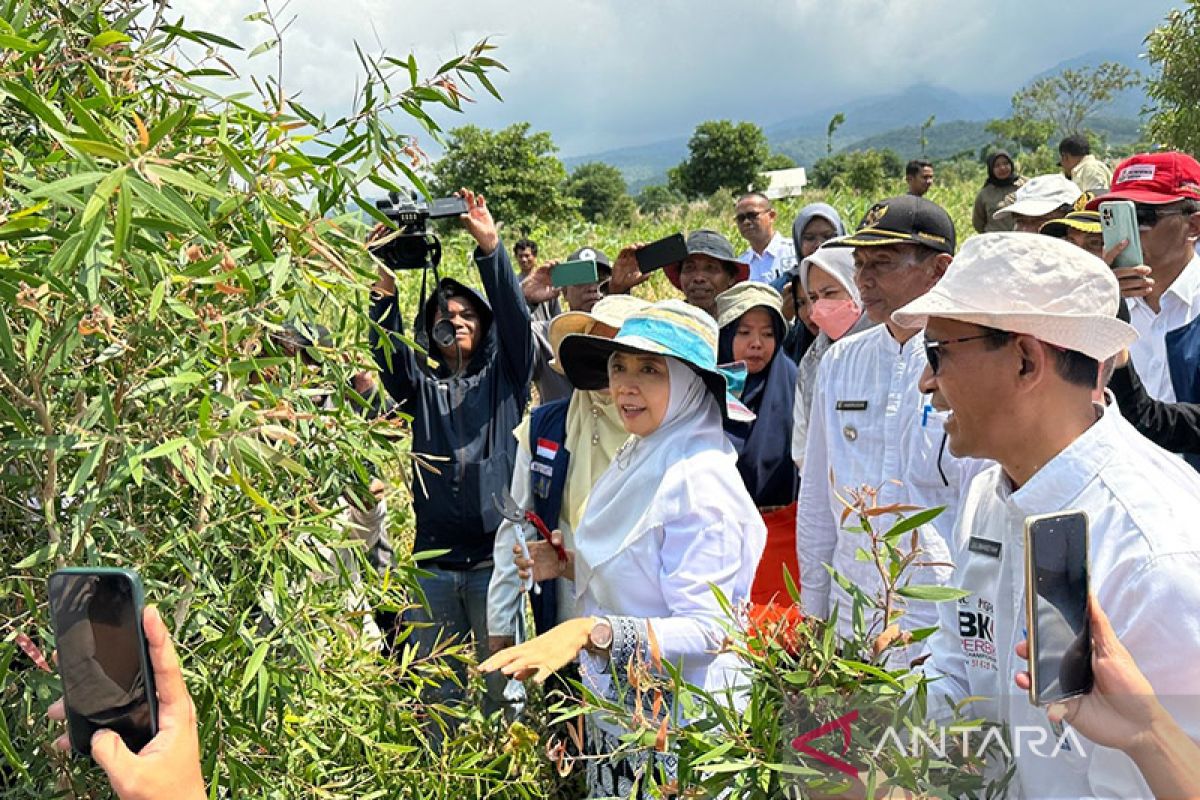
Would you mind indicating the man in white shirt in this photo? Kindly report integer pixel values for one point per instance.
(1016, 332)
(770, 254)
(1166, 190)
(870, 425)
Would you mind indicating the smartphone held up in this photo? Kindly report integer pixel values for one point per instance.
(1056, 606)
(103, 657)
(1118, 223)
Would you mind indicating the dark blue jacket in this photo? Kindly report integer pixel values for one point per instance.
(465, 422)
(1183, 361)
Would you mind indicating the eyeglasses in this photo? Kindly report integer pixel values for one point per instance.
(748, 215)
(1149, 216)
(933, 350)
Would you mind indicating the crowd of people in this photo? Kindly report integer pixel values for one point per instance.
(711, 440)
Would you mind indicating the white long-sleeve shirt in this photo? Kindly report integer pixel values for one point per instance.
(1179, 305)
(1144, 507)
(870, 425)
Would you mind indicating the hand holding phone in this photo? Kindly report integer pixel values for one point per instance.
(169, 765)
(658, 254)
(1056, 606)
(102, 655)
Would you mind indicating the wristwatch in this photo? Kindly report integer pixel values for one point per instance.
(600, 638)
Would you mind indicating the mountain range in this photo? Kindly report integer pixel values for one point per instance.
(887, 121)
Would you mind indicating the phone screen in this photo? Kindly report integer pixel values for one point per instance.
(1061, 639)
(101, 653)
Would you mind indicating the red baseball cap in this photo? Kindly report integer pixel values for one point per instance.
(1154, 178)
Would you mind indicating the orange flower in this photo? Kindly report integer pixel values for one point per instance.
(783, 624)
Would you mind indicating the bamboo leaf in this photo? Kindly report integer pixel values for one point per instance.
(184, 181)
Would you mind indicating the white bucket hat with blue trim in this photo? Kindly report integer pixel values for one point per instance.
(671, 328)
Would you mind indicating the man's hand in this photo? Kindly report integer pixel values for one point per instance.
(169, 766)
(1134, 281)
(537, 286)
(625, 271)
(478, 221)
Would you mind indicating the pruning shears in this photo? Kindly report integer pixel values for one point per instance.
(525, 519)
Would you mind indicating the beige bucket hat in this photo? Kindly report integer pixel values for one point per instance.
(1032, 284)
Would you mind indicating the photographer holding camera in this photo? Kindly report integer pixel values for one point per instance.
(463, 414)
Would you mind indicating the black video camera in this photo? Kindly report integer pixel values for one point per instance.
(415, 246)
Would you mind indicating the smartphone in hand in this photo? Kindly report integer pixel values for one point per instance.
(103, 658)
(1118, 222)
(1056, 606)
(662, 252)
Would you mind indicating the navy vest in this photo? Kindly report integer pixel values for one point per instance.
(1183, 361)
(547, 479)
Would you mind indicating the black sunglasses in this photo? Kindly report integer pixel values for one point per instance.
(745, 215)
(1149, 216)
(933, 350)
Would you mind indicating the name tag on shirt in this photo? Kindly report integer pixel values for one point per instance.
(542, 469)
(985, 547)
(851, 405)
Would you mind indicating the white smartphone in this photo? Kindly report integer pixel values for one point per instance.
(1118, 222)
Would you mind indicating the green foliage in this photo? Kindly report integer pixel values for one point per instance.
(657, 198)
(1173, 48)
(601, 192)
(517, 171)
(721, 155)
(863, 171)
(778, 161)
(154, 234)
(1059, 105)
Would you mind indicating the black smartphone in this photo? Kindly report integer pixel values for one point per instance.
(102, 655)
(657, 255)
(1056, 606)
(443, 207)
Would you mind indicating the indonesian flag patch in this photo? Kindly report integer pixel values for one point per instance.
(547, 449)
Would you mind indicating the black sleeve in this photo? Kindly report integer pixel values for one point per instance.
(1172, 426)
(514, 339)
(398, 368)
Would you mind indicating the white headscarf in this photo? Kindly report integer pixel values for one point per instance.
(640, 491)
(837, 263)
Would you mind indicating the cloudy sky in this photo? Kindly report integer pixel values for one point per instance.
(600, 75)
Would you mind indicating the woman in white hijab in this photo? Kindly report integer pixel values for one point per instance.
(667, 521)
(827, 279)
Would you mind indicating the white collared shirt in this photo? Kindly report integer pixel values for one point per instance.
(777, 257)
(1179, 305)
(1143, 505)
(870, 425)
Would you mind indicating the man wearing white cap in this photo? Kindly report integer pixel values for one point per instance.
(1040, 200)
(1015, 334)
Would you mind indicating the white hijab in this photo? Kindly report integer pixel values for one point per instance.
(640, 491)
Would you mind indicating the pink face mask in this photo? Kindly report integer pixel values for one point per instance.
(835, 317)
